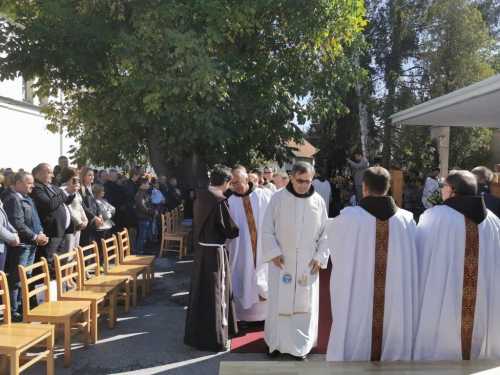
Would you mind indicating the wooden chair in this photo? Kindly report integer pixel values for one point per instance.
(18, 338)
(110, 252)
(121, 283)
(96, 296)
(66, 313)
(169, 237)
(126, 258)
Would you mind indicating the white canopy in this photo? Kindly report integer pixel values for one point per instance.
(474, 105)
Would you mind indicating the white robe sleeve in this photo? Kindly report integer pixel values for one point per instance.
(270, 246)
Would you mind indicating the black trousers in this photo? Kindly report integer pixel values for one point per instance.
(55, 245)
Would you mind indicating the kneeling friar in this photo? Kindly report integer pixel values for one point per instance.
(373, 285)
(248, 271)
(294, 244)
(458, 247)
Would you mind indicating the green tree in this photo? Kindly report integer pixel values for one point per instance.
(185, 82)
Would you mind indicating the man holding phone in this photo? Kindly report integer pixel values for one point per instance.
(23, 216)
(54, 214)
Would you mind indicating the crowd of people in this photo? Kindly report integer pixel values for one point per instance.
(53, 210)
(399, 291)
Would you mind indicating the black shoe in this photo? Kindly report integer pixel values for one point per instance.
(302, 358)
(242, 324)
(273, 354)
(16, 318)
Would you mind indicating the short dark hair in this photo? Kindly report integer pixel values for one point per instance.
(302, 167)
(320, 171)
(377, 180)
(101, 173)
(483, 173)
(20, 176)
(220, 174)
(463, 183)
(172, 178)
(420, 179)
(436, 169)
(358, 152)
(67, 173)
(257, 172)
(63, 157)
(132, 172)
(269, 167)
(142, 180)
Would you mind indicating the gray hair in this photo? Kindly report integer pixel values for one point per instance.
(483, 173)
(241, 172)
(269, 167)
(101, 173)
(20, 176)
(302, 167)
(283, 175)
(463, 183)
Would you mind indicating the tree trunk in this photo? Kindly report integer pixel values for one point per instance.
(157, 153)
(366, 140)
(194, 167)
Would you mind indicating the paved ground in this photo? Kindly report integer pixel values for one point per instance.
(149, 340)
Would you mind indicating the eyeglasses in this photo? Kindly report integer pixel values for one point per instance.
(301, 181)
(268, 172)
(235, 183)
(444, 185)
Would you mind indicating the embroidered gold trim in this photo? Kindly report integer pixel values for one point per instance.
(381, 250)
(469, 291)
(300, 312)
(285, 314)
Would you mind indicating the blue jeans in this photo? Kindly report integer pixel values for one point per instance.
(141, 235)
(25, 256)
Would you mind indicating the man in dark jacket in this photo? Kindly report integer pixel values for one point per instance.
(23, 216)
(174, 195)
(484, 177)
(115, 195)
(52, 210)
(130, 219)
(144, 213)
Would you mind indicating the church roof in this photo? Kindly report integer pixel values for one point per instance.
(305, 150)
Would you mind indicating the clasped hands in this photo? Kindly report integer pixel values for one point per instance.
(279, 260)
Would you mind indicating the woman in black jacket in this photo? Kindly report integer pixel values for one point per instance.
(90, 207)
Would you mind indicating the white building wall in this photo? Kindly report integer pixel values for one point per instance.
(25, 141)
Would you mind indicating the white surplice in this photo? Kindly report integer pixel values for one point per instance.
(295, 228)
(441, 255)
(325, 190)
(248, 281)
(351, 237)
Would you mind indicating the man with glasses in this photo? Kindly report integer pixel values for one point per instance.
(294, 245)
(458, 247)
(248, 271)
(268, 179)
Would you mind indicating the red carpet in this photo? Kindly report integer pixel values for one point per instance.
(251, 339)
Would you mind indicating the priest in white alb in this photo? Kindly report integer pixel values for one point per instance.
(458, 247)
(373, 285)
(248, 271)
(294, 245)
(322, 187)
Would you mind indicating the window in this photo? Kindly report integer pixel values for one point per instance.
(24, 90)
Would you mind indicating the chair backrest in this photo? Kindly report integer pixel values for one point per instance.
(110, 252)
(169, 223)
(123, 244)
(5, 300)
(26, 282)
(181, 213)
(93, 254)
(61, 264)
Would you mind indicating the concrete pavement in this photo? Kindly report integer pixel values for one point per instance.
(149, 340)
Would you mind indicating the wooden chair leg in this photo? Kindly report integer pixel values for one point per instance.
(153, 269)
(67, 343)
(144, 284)
(57, 331)
(111, 315)
(14, 363)
(5, 364)
(86, 333)
(181, 249)
(127, 299)
(146, 274)
(50, 356)
(94, 323)
(134, 292)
